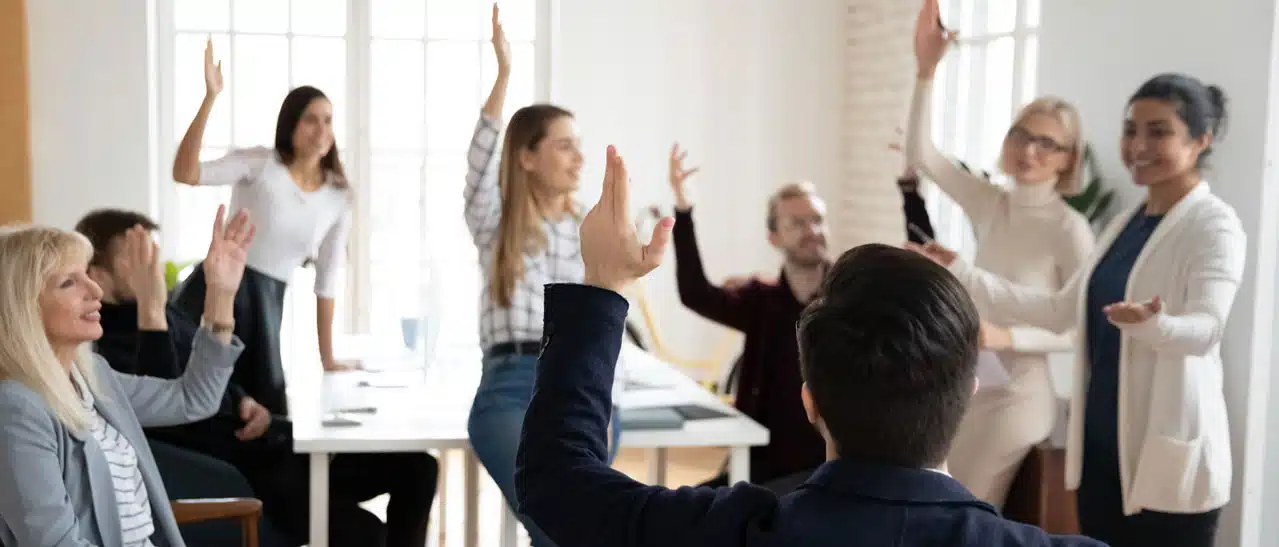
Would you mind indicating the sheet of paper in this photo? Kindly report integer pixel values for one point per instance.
(991, 372)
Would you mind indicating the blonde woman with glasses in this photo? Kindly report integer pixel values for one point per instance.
(75, 468)
(1025, 232)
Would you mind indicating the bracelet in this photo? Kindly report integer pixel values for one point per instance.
(217, 328)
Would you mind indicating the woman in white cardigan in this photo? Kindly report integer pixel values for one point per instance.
(1149, 445)
(1025, 232)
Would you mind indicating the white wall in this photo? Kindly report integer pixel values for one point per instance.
(1229, 43)
(91, 108)
(751, 87)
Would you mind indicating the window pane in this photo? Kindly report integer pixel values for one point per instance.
(188, 87)
(967, 16)
(1031, 17)
(457, 19)
(261, 70)
(519, 19)
(397, 94)
(1001, 15)
(261, 16)
(455, 287)
(396, 239)
(998, 98)
(522, 90)
(399, 18)
(1030, 70)
(319, 17)
(205, 15)
(452, 76)
(321, 62)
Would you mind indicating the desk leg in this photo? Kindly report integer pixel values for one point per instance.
(510, 530)
(657, 466)
(441, 496)
(739, 465)
(471, 513)
(319, 499)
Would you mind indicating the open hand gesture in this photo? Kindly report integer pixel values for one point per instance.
(931, 39)
(678, 174)
(1132, 313)
(212, 72)
(501, 47)
(224, 264)
(934, 251)
(138, 265)
(611, 251)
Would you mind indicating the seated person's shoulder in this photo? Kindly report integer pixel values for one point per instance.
(19, 403)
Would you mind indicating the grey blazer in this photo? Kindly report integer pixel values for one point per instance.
(55, 487)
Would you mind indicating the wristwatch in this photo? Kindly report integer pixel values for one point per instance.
(217, 328)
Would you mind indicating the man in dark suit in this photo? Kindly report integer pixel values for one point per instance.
(888, 352)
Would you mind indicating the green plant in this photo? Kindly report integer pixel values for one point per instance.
(171, 271)
(1094, 199)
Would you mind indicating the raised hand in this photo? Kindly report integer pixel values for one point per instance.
(212, 72)
(936, 252)
(228, 250)
(931, 39)
(138, 265)
(1132, 313)
(501, 47)
(611, 251)
(678, 174)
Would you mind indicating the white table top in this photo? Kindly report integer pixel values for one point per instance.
(429, 408)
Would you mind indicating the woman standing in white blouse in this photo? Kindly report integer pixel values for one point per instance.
(299, 195)
(524, 220)
(1026, 232)
(1148, 448)
(75, 467)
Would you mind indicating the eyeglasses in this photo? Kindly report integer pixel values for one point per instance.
(1020, 137)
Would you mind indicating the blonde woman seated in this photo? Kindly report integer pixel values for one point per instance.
(75, 469)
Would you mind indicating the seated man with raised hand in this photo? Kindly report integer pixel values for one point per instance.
(888, 352)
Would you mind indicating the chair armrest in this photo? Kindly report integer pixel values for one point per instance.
(200, 510)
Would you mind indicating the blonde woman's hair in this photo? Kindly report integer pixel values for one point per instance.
(28, 256)
(1068, 184)
(520, 231)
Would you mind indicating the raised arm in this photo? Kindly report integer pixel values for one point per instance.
(1072, 255)
(186, 163)
(974, 194)
(729, 307)
(34, 502)
(482, 196)
(1215, 271)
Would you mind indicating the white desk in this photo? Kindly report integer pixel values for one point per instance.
(430, 413)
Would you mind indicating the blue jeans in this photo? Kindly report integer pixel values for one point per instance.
(497, 415)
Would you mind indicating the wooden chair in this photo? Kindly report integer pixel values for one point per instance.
(247, 510)
(1038, 493)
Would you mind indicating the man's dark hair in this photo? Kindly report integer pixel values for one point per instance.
(888, 349)
(103, 226)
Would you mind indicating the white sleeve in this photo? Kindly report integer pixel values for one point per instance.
(330, 258)
(238, 165)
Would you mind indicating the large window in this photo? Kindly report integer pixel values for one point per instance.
(407, 78)
(981, 84)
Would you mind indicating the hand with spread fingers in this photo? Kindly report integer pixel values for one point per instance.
(931, 39)
(611, 251)
(1132, 313)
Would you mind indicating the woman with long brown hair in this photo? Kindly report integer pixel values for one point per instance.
(524, 220)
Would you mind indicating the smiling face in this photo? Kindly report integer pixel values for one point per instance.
(313, 135)
(1157, 146)
(69, 304)
(555, 162)
(1038, 148)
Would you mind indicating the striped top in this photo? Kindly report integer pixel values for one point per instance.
(132, 502)
(559, 262)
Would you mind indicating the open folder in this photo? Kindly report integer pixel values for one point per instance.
(991, 372)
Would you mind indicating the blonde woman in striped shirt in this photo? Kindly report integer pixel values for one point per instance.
(524, 220)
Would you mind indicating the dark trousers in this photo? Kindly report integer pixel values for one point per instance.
(781, 485)
(410, 478)
(1101, 517)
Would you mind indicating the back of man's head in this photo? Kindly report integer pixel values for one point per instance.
(888, 350)
(103, 226)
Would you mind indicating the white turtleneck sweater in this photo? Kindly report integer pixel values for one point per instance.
(1025, 232)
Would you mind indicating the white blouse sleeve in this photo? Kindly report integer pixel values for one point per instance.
(329, 259)
(237, 166)
(1215, 271)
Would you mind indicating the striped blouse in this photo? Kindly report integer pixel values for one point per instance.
(131, 494)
